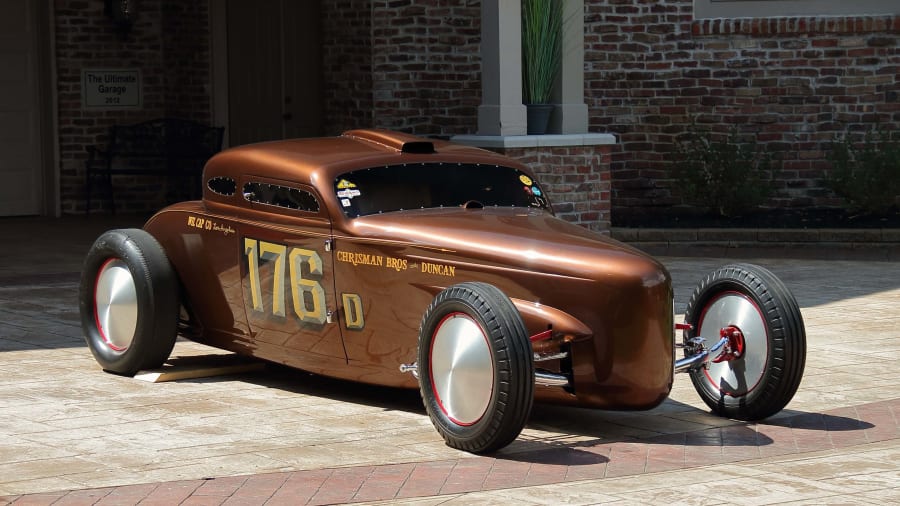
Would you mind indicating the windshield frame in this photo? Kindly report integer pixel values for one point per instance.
(436, 185)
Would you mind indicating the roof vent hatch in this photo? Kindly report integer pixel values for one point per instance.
(418, 147)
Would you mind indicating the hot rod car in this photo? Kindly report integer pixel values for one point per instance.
(395, 260)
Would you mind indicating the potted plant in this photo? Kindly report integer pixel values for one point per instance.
(541, 53)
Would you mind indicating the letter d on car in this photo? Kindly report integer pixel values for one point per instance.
(353, 311)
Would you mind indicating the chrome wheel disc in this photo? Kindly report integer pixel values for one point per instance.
(462, 370)
(740, 375)
(115, 304)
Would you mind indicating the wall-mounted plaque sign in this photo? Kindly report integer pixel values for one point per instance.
(111, 89)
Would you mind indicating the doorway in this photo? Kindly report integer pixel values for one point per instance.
(274, 70)
(25, 148)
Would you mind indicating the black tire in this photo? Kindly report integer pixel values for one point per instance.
(480, 402)
(129, 326)
(763, 379)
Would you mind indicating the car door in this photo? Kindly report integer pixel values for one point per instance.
(287, 275)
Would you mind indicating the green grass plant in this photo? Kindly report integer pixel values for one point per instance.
(867, 173)
(541, 48)
(723, 173)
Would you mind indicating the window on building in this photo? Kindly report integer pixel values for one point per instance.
(705, 9)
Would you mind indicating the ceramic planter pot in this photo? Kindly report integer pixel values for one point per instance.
(538, 116)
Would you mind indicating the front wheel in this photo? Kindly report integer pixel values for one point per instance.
(476, 370)
(129, 302)
(758, 373)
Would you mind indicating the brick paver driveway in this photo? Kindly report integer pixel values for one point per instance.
(71, 434)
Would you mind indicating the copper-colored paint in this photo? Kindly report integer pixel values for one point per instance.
(609, 304)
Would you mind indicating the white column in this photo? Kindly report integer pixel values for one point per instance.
(571, 113)
(501, 111)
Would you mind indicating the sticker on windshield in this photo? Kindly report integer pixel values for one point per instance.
(344, 184)
(525, 180)
(348, 194)
(536, 191)
(345, 202)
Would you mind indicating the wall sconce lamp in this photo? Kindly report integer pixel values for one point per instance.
(122, 13)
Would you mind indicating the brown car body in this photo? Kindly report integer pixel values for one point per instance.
(344, 296)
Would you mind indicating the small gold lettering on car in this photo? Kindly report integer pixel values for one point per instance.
(439, 269)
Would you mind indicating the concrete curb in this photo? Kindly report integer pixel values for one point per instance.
(825, 244)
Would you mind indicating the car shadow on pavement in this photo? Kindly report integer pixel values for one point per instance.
(816, 422)
(563, 427)
(674, 418)
(740, 441)
(552, 453)
(301, 382)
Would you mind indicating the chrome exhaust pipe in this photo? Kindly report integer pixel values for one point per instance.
(545, 379)
(548, 379)
(538, 357)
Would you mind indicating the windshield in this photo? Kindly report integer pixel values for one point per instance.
(434, 185)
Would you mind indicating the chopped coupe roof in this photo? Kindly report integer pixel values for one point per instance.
(317, 161)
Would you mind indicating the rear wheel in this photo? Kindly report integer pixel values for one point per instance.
(759, 371)
(129, 302)
(476, 372)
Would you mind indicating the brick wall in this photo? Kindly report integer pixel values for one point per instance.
(421, 67)
(426, 72)
(168, 43)
(576, 179)
(790, 83)
(405, 65)
(426, 65)
(347, 64)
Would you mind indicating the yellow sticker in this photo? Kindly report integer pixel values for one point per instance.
(525, 180)
(343, 184)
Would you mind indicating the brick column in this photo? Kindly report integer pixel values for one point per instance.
(575, 178)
